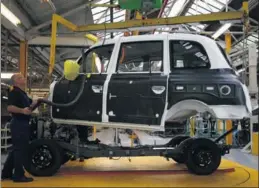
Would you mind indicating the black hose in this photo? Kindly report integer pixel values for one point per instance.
(40, 101)
(226, 133)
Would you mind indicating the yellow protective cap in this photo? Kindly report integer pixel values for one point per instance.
(71, 70)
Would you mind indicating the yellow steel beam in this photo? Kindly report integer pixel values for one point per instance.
(23, 58)
(161, 22)
(64, 22)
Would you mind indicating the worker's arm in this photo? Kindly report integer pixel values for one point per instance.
(34, 102)
(15, 109)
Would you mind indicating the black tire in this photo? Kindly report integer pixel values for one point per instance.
(204, 157)
(179, 159)
(65, 157)
(176, 142)
(44, 158)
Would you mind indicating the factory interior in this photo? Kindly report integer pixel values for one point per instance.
(188, 119)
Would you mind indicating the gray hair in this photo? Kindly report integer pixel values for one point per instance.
(13, 79)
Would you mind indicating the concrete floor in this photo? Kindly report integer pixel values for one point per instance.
(142, 172)
(236, 169)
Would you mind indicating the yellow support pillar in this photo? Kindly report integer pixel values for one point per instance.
(55, 20)
(229, 137)
(132, 137)
(192, 126)
(138, 16)
(53, 45)
(127, 17)
(94, 132)
(255, 143)
(245, 6)
(228, 42)
(220, 125)
(23, 58)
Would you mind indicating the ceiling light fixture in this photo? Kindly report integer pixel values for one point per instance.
(6, 75)
(9, 15)
(221, 30)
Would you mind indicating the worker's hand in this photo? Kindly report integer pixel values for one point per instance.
(26, 111)
(34, 102)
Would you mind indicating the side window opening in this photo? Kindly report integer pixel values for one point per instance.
(97, 59)
(140, 57)
(188, 55)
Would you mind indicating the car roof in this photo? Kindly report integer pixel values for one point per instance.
(153, 37)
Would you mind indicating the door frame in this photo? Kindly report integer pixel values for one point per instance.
(112, 70)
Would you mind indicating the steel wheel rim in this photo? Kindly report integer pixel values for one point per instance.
(203, 158)
(42, 157)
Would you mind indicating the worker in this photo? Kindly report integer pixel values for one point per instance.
(19, 106)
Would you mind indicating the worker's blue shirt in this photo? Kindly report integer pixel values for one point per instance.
(20, 99)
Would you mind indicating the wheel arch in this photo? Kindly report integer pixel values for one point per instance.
(187, 108)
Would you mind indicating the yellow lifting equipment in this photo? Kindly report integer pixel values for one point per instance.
(136, 25)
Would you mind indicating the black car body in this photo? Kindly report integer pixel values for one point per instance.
(141, 82)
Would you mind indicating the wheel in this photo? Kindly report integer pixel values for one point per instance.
(65, 157)
(203, 157)
(176, 141)
(44, 158)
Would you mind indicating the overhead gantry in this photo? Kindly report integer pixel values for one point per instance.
(144, 24)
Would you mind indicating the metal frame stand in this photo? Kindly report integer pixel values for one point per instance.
(253, 89)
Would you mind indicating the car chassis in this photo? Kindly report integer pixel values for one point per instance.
(202, 156)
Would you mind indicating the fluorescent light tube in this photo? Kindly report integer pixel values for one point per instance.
(221, 30)
(9, 15)
(6, 75)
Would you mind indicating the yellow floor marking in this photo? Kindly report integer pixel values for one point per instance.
(65, 179)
